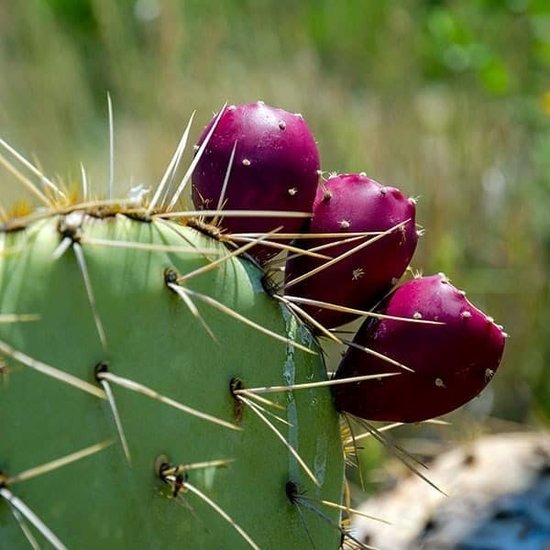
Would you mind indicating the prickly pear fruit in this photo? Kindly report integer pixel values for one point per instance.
(352, 203)
(275, 168)
(117, 302)
(452, 361)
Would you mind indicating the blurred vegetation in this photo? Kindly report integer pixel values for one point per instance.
(448, 100)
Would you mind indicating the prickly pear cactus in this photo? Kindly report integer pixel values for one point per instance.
(162, 382)
(128, 310)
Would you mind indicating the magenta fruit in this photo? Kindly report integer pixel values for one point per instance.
(352, 203)
(452, 361)
(275, 167)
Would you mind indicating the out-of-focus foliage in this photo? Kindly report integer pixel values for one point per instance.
(448, 100)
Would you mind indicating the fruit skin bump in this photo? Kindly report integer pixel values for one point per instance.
(275, 167)
(351, 203)
(452, 361)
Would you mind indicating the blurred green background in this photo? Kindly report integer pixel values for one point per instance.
(448, 100)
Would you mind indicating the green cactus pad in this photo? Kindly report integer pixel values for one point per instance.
(104, 290)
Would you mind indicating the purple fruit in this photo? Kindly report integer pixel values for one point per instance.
(352, 203)
(452, 362)
(276, 167)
